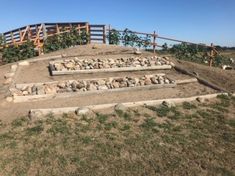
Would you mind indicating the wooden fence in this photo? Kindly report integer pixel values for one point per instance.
(38, 33)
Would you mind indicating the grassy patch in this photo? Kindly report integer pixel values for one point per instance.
(188, 106)
(195, 141)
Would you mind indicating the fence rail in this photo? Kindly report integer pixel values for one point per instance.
(38, 33)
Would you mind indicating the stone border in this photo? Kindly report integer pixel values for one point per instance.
(17, 99)
(121, 69)
(35, 113)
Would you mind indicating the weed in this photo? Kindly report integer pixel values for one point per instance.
(34, 130)
(231, 123)
(102, 117)
(187, 105)
(125, 115)
(86, 139)
(161, 110)
(59, 126)
(109, 126)
(149, 124)
(125, 127)
(19, 122)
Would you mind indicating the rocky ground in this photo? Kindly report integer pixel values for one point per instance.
(90, 85)
(104, 63)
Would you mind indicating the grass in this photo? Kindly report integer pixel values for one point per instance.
(185, 140)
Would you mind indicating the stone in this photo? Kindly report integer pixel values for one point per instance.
(115, 85)
(9, 75)
(120, 107)
(69, 65)
(58, 66)
(102, 87)
(61, 85)
(91, 87)
(40, 90)
(82, 111)
(14, 68)
(74, 85)
(101, 82)
(168, 104)
(200, 99)
(24, 63)
(147, 81)
(80, 85)
(34, 90)
(9, 99)
(50, 89)
(154, 80)
(167, 81)
(25, 92)
(8, 81)
(137, 51)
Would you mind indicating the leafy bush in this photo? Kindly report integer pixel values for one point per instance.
(66, 40)
(15, 53)
(114, 37)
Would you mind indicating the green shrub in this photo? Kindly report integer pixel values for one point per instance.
(114, 37)
(66, 40)
(15, 53)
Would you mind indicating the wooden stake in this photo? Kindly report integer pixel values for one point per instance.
(212, 55)
(154, 42)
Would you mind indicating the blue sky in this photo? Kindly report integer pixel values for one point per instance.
(203, 21)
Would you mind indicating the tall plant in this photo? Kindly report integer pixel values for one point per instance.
(114, 37)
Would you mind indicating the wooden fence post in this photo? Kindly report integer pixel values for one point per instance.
(104, 34)
(154, 42)
(211, 55)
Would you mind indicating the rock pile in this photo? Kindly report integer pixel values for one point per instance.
(87, 64)
(90, 85)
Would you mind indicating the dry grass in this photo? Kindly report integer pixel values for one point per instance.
(190, 139)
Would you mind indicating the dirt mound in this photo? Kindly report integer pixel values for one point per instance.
(222, 78)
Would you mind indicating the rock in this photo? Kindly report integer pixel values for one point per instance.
(40, 90)
(103, 87)
(25, 92)
(227, 67)
(91, 87)
(147, 81)
(58, 66)
(8, 81)
(61, 85)
(94, 47)
(9, 75)
(80, 85)
(167, 81)
(82, 111)
(120, 107)
(9, 99)
(115, 85)
(137, 51)
(34, 90)
(74, 85)
(168, 104)
(50, 89)
(101, 82)
(200, 99)
(24, 63)
(69, 65)
(154, 80)
(14, 68)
